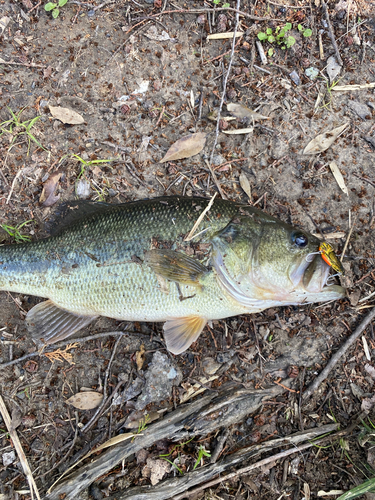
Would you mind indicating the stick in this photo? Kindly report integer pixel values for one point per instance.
(335, 358)
(19, 449)
(331, 35)
(224, 91)
(190, 236)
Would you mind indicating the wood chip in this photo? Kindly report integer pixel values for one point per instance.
(338, 176)
(224, 36)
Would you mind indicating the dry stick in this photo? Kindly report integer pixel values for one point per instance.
(251, 467)
(331, 35)
(216, 9)
(347, 241)
(190, 236)
(335, 358)
(18, 447)
(97, 413)
(28, 65)
(223, 95)
(65, 343)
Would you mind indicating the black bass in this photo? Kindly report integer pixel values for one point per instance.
(133, 262)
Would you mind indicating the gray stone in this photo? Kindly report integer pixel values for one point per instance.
(160, 377)
(362, 110)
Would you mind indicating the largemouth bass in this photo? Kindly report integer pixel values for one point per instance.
(132, 262)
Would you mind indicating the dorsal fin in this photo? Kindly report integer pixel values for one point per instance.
(73, 211)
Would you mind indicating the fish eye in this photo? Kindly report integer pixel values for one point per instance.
(300, 240)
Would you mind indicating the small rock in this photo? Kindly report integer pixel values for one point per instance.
(142, 456)
(311, 72)
(294, 76)
(354, 297)
(83, 189)
(360, 109)
(160, 377)
(9, 458)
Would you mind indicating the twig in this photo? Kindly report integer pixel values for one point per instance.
(335, 358)
(28, 65)
(65, 343)
(347, 241)
(219, 446)
(19, 449)
(199, 220)
(107, 2)
(331, 35)
(216, 9)
(225, 86)
(13, 185)
(262, 55)
(97, 413)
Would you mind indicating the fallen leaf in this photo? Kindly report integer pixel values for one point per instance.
(48, 198)
(66, 115)
(338, 176)
(85, 400)
(224, 36)
(333, 68)
(323, 141)
(370, 370)
(152, 34)
(186, 147)
(238, 131)
(4, 21)
(140, 357)
(241, 112)
(245, 184)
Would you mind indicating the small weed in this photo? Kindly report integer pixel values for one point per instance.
(225, 4)
(87, 163)
(142, 426)
(164, 457)
(15, 127)
(14, 232)
(54, 7)
(201, 453)
(281, 36)
(366, 487)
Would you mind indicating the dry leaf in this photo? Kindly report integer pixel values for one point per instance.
(333, 68)
(338, 176)
(323, 141)
(66, 115)
(241, 112)
(140, 357)
(223, 36)
(186, 147)
(238, 131)
(85, 400)
(245, 184)
(48, 198)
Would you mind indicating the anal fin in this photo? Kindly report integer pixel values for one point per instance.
(50, 323)
(180, 333)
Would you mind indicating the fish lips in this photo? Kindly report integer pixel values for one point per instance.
(315, 278)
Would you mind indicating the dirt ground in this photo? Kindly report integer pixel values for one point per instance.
(143, 74)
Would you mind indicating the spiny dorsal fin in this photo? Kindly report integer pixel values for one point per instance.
(176, 266)
(180, 333)
(73, 211)
(50, 323)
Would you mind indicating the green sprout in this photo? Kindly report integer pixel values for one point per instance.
(225, 4)
(15, 127)
(142, 426)
(281, 36)
(14, 232)
(366, 487)
(86, 164)
(201, 453)
(54, 7)
(164, 457)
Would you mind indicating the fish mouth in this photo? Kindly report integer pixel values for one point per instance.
(315, 281)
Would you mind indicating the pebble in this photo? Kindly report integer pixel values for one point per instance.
(362, 110)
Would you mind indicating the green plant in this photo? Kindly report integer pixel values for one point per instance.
(85, 164)
(306, 32)
(225, 4)
(54, 7)
(14, 232)
(201, 453)
(142, 425)
(281, 36)
(16, 128)
(366, 487)
(164, 457)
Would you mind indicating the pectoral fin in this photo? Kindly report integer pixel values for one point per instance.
(50, 323)
(180, 333)
(176, 266)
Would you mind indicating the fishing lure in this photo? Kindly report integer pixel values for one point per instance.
(329, 256)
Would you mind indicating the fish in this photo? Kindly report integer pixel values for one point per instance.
(138, 261)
